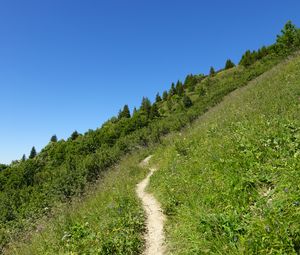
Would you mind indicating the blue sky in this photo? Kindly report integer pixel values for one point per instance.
(70, 64)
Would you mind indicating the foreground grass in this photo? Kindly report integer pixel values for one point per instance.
(110, 221)
(231, 184)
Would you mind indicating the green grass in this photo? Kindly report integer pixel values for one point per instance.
(109, 221)
(215, 181)
(230, 184)
(65, 169)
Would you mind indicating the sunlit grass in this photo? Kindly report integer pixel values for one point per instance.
(215, 177)
(109, 221)
(230, 184)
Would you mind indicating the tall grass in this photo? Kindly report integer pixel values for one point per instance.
(231, 183)
(109, 221)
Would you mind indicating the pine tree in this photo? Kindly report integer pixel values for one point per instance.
(74, 135)
(154, 112)
(246, 59)
(23, 158)
(165, 95)
(187, 102)
(125, 113)
(134, 111)
(172, 91)
(212, 71)
(157, 98)
(146, 106)
(229, 64)
(53, 139)
(188, 80)
(179, 88)
(262, 52)
(32, 153)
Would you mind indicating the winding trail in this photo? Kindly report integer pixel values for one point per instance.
(155, 218)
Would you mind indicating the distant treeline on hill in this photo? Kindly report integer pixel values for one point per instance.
(29, 187)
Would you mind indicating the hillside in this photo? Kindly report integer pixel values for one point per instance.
(230, 184)
(78, 196)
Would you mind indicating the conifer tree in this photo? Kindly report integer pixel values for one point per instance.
(165, 95)
(212, 71)
(172, 91)
(125, 113)
(154, 112)
(53, 139)
(134, 111)
(247, 59)
(146, 106)
(229, 64)
(188, 80)
(32, 153)
(74, 135)
(179, 88)
(157, 98)
(262, 52)
(23, 158)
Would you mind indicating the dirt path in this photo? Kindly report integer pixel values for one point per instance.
(155, 217)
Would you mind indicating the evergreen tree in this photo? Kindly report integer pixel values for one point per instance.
(32, 153)
(172, 91)
(247, 59)
(134, 111)
(157, 98)
(187, 102)
(262, 52)
(179, 88)
(154, 112)
(165, 95)
(53, 139)
(212, 71)
(146, 106)
(74, 135)
(23, 158)
(188, 80)
(119, 114)
(125, 113)
(229, 64)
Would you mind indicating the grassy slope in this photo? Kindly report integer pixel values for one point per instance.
(110, 221)
(230, 184)
(64, 170)
(106, 224)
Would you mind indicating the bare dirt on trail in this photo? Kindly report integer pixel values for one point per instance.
(155, 218)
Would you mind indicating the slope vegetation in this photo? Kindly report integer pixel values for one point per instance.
(230, 184)
(58, 200)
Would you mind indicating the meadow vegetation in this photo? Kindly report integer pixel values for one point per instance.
(110, 220)
(230, 183)
(63, 171)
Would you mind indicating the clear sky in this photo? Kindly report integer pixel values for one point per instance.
(72, 64)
